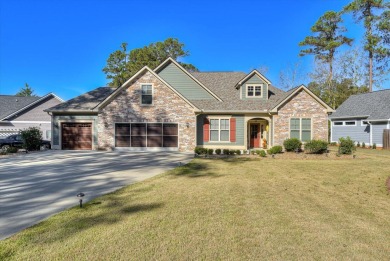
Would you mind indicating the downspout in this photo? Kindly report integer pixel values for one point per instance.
(369, 123)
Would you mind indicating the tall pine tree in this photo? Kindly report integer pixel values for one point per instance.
(324, 42)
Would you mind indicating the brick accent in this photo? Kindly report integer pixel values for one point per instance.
(302, 105)
(167, 106)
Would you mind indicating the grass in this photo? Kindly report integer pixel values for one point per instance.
(236, 209)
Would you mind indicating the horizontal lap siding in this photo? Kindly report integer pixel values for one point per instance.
(357, 133)
(377, 132)
(183, 83)
(239, 132)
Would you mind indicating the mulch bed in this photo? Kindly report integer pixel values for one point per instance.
(290, 156)
(388, 184)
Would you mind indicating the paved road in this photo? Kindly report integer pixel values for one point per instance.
(37, 185)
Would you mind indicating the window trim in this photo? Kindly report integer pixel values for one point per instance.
(219, 129)
(344, 123)
(141, 94)
(254, 90)
(300, 127)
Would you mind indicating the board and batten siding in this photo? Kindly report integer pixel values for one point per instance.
(255, 80)
(58, 119)
(183, 83)
(377, 132)
(358, 133)
(239, 132)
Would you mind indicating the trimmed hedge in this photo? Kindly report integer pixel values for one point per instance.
(292, 144)
(275, 150)
(316, 146)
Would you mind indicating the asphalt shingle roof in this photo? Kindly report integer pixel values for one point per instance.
(10, 104)
(376, 105)
(84, 102)
(223, 85)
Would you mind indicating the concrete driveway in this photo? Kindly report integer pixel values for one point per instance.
(37, 185)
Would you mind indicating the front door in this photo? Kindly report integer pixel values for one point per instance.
(255, 135)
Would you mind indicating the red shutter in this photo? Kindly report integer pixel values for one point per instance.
(206, 129)
(233, 129)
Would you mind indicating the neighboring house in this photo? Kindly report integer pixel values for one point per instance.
(171, 109)
(20, 112)
(362, 117)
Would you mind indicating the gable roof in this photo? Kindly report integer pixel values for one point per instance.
(373, 106)
(170, 60)
(249, 75)
(134, 78)
(287, 95)
(85, 102)
(223, 84)
(10, 105)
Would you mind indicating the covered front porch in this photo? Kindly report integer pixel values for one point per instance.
(258, 133)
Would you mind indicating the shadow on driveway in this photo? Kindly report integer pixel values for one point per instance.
(36, 186)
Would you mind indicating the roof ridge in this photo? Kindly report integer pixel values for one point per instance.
(364, 93)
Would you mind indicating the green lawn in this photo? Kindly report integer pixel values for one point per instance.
(240, 209)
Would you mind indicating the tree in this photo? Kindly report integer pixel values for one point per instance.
(325, 42)
(26, 91)
(291, 76)
(373, 42)
(121, 65)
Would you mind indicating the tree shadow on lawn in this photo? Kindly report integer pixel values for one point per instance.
(194, 170)
(76, 220)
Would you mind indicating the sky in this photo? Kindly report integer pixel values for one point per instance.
(62, 46)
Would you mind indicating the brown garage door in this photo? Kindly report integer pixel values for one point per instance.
(76, 136)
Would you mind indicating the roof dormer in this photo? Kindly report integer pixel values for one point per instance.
(254, 86)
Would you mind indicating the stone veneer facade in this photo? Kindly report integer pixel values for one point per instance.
(302, 105)
(167, 107)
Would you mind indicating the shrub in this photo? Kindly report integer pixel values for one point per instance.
(358, 144)
(363, 145)
(225, 151)
(12, 150)
(218, 151)
(210, 151)
(252, 152)
(244, 152)
(316, 146)
(333, 143)
(232, 152)
(238, 152)
(31, 138)
(374, 146)
(257, 152)
(347, 146)
(201, 151)
(262, 153)
(275, 150)
(292, 144)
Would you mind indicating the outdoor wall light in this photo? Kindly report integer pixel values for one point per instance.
(80, 196)
(273, 156)
(188, 124)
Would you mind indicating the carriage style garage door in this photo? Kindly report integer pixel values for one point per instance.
(146, 135)
(76, 136)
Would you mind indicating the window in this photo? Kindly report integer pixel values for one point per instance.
(344, 123)
(48, 134)
(300, 128)
(146, 94)
(253, 90)
(219, 129)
